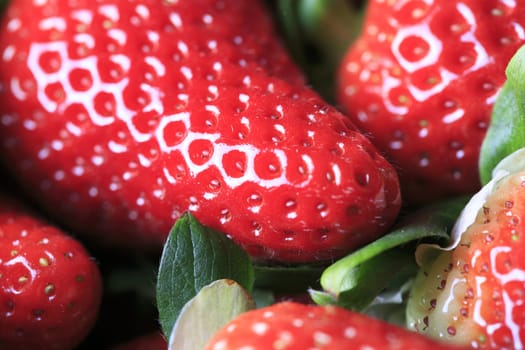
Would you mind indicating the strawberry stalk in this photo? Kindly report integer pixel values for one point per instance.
(357, 289)
(356, 280)
(506, 133)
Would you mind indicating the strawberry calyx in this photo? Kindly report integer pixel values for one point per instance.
(203, 264)
(367, 280)
(202, 316)
(507, 125)
(364, 277)
(193, 257)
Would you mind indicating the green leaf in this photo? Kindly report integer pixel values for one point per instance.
(390, 305)
(357, 279)
(317, 34)
(203, 315)
(390, 266)
(193, 257)
(263, 297)
(506, 132)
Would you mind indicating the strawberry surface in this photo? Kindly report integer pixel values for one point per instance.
(118, 116)
(294, 326)
(50, 287)
(422, 79)
(475, 294)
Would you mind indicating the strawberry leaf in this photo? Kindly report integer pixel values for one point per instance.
(263, 297)
(356, 280)
(193, 257)
(506, 133)
(389, 266)
(317, 34)
(203, 316)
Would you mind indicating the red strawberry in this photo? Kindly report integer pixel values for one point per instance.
(120, 116)
(476, 293)
(149, 341)
(50, 288)
(421, 81)
(295, 326)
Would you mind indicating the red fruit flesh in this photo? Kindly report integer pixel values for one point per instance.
(294, 326)
(475, 294)
(118, 118)
(422, 80)
(50, 288)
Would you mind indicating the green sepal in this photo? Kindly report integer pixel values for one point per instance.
(506, 132)
(356, 280)
(193, 257)
(211, 309)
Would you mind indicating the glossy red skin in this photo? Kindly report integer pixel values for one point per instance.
(242, 143)
(422, 79)
(150, 341)
(490, 259)
(50, 287)
(295, 326)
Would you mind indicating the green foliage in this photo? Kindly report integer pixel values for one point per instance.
(356, 280)
(195, 256)
(506, 132)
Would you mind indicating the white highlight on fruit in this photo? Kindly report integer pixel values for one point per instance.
(110, 11)
(434, 51)
(482, 57)
(445, 78)
(454, 116)
(56, 23)
(118, 35)
(176, 20)
(84, 16)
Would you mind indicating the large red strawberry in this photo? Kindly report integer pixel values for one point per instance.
(119, 116)
(294, 326)
(50, 287)
(475, 294)
(421, 80)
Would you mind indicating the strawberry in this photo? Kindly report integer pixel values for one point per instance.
(421, 81)
(475, 293)
(50, 287)
(295, 326)
(120, 116)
